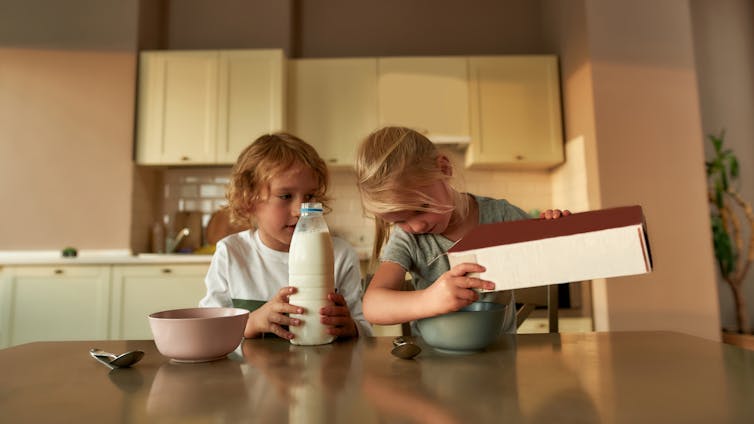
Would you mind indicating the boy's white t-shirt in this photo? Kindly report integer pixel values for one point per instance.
(244, 268)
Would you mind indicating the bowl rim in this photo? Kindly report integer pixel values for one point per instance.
(497, 308)
(236, 312)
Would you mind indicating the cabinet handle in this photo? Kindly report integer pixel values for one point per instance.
(58, 271)
(332, 160)
(185, 158)
(166, 270)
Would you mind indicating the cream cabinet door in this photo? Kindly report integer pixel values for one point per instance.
(47, 303)
(515, 109)
(139, 290)
(177, 107)
(333, 105)
(251, 102)
(428, 94)
(201, 107)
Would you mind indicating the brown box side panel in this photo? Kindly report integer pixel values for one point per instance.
(499, 233)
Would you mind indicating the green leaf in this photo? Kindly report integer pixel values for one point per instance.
(724, 252)
(733, 165)
(716, 143)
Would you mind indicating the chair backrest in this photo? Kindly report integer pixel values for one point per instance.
(529, 298)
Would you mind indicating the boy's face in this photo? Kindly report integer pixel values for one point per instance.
(278, 210)
(417, 222)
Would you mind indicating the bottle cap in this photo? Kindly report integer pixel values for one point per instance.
(311, 207)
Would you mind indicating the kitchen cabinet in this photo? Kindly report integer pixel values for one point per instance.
(516, 112)
(139, 290)
(41, 303)
(332, 105)
(204, 106)
(428, 94)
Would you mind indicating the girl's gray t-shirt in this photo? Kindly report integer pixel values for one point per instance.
(415, 252)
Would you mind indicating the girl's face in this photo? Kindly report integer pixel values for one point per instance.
(417, 222)
(278, 210)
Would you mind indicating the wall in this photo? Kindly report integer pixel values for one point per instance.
(335, 28)
(347, 28)
(67, 73)
(724, 49)
(229, 24)
(575, 184)
(646, 112)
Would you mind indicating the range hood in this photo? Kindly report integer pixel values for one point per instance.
(445, 140)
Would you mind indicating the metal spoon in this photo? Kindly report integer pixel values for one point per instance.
(404, 349)
(116, 361)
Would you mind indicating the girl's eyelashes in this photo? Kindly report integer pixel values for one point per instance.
(406, 216)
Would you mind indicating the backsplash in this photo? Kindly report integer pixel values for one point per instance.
(193, 190)
(203, 189)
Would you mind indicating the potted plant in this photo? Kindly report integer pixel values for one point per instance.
(728, 229)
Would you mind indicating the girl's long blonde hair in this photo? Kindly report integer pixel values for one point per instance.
(267, 156)
(394, 166)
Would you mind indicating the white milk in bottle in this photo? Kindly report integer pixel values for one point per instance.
(311, 271)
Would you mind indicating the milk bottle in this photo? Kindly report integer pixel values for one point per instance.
(311, 271)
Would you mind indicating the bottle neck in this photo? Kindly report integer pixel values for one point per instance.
(310, 213)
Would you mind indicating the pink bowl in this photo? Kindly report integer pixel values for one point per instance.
(198, 334)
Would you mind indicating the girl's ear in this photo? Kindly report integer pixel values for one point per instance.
(444, 164)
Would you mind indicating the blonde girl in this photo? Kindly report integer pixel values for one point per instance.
(405, 185)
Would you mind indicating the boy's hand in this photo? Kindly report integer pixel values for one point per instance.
(338, 317)
(554, 213)
(455, 289)
(270, 317)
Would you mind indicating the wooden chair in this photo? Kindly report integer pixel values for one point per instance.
(532, 297)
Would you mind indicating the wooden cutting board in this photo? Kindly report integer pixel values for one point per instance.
(219, 226)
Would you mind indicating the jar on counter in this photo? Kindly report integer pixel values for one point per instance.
(158, 237)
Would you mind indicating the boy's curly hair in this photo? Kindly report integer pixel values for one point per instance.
(266, 157)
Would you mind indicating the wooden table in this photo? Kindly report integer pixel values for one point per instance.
(621, 377)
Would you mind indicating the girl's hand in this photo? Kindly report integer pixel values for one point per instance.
(270, 317)
(554, 213)
(338, 317)
(454, 289)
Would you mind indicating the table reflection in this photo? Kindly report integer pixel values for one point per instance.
(549, 382)
(439, 387)
(308, 378)
(181, 389)
(393, 393)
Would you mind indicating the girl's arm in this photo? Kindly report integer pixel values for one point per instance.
(385, 303)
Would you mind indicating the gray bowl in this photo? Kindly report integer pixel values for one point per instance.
(467, 330)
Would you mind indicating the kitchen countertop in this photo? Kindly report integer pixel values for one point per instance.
(113, 257)
(96, 257)
(578, 377)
